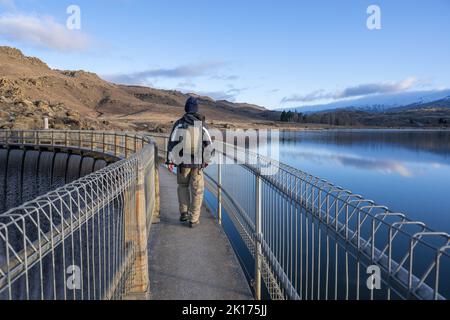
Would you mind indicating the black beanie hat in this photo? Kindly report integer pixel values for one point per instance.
(191, 105)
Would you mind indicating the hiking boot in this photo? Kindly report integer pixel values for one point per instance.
(184, 217)
(193, 225)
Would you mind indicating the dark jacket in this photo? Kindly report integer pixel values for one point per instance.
(176, 137)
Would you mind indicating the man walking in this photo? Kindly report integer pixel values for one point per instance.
(189, 150)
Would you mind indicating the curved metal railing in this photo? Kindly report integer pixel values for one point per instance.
(87, 239)
(311, 239)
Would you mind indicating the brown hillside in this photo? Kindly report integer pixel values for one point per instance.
(30, 90)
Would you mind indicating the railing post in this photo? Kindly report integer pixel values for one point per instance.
(116, 142)
(219, 192)
(166, 147)
(92, 141)
(45, 123)
(103, 142)
(157, 209)
(258, 238)
(139, 288)
(126, 146)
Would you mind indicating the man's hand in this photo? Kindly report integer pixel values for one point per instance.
(170, 167)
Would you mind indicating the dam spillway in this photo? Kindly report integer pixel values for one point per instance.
(26, 174)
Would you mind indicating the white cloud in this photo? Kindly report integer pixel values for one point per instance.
(218, 95)
(188, 71)
(320, 156)
(311, 96)
(355, 91)
(374, 88)
(187, 84)
(41, 31)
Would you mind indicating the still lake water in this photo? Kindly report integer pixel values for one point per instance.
(406, 170)
(409, 171)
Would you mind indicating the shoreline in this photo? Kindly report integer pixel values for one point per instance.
(318, 129)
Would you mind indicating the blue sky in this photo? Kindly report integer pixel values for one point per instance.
(272, 53)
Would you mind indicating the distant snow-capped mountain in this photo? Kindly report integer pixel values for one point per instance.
(379, 103)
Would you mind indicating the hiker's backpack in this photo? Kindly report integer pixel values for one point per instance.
(193, 141)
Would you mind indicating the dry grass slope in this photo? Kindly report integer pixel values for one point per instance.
(30, 90)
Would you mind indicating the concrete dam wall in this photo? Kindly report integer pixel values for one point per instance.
(27, 174)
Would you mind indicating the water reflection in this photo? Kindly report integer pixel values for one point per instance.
(409, 171)
(403, 168)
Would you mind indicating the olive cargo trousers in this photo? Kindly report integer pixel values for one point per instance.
(191, 187)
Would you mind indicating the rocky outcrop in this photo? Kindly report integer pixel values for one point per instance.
(15, 53)
(18, 113)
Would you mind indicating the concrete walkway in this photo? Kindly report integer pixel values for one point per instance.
(191, 264)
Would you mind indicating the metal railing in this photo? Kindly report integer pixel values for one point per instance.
(310, 239)
(88, 239)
